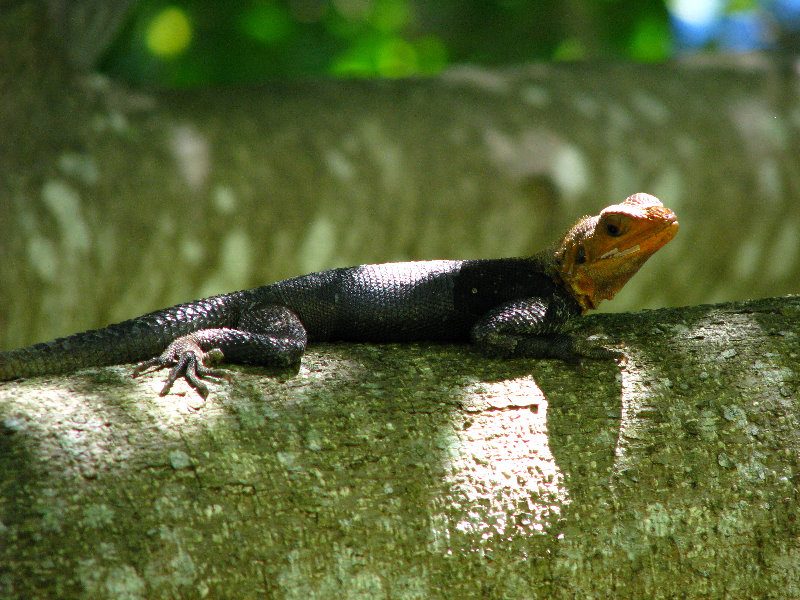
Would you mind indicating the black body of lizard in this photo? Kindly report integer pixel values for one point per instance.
(507, 307)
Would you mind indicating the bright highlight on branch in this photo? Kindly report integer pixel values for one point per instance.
(169, 33)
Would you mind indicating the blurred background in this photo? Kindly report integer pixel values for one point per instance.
(211, 42)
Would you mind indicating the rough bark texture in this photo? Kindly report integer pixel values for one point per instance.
(114, 201)
(422, 471)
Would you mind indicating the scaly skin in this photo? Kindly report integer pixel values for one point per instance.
(506, 307)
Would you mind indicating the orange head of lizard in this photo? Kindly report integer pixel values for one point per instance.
(600, 254)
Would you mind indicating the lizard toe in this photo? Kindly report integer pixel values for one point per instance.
(190, 366)
(157, 362)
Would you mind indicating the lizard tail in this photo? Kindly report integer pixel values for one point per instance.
(129, 341)
(98, 347)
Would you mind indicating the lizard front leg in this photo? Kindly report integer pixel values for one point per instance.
(534, 328)
(270, 335)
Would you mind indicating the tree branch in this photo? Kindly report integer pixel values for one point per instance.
(422, 471)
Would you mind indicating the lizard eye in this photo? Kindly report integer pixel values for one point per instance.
(580, 255)
(613, 227)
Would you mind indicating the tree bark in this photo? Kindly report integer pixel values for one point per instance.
(116, 201)
(422, 471)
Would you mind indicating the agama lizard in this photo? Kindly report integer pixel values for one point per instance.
(507, 307)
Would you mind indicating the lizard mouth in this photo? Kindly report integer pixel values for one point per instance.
(617, 253)
(647, 242)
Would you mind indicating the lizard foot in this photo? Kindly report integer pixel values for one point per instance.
(585, 349)
(188, 364)
(590, 350)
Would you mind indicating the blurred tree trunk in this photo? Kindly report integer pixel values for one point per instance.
(85, 28)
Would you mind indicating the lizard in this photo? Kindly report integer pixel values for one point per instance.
(507, 307)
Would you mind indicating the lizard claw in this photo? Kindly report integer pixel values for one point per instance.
(193, 370)
(584, 348)
(603, 353)
(187, 364)
(584, 351)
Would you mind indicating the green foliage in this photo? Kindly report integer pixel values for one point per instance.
(184, 43)
(650, 40)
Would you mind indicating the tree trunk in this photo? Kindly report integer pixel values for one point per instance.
(422, 471)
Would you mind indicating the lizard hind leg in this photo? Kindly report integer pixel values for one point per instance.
(269, 335)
